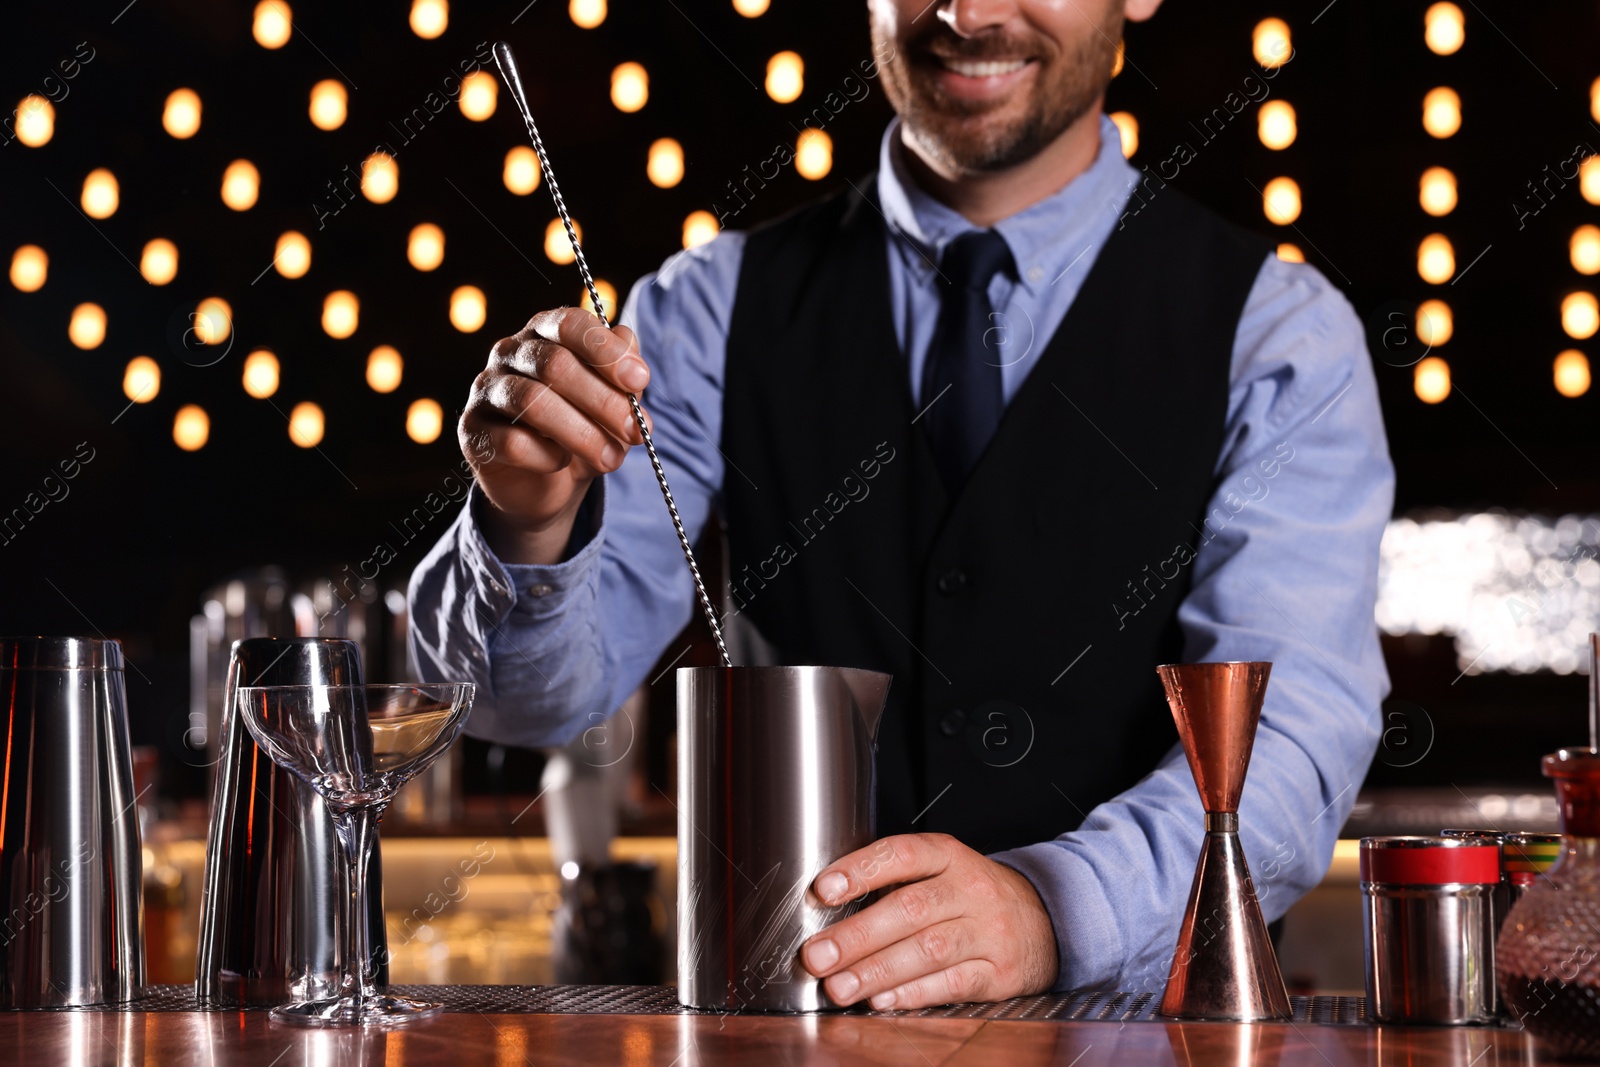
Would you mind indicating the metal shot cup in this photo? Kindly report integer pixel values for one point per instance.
(1428, 922)
(1524, 857)
(70, 860)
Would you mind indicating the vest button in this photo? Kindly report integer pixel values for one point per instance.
(952, 581)
(952, 722)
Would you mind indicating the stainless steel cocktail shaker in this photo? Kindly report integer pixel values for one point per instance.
(70, 860)
(776, 777)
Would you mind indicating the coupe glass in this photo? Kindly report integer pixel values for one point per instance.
(355, 745)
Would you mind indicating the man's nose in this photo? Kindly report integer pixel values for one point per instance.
(969, 18)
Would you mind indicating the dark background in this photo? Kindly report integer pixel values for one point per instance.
(147, 527)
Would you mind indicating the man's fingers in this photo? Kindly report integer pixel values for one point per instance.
(905, 913)
(515, 399)
(923, 951)
(966, 981)
(888, 861)
(613, 353)
(510, 445)
(558, 368)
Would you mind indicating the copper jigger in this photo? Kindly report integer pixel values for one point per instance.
(1224, 967)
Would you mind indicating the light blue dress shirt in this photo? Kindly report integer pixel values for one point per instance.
(1286, 571)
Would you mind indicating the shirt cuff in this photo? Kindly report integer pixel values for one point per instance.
(534, 591)
(1088, 942)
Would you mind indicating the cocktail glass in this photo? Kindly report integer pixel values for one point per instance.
(355, 745)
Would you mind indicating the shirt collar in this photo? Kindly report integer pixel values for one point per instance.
(1045, 238)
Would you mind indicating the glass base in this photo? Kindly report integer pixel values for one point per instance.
(378, 1010)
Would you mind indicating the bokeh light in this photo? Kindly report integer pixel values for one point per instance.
(813, 154)
(1431, 380)
(664, 166)
(1275, 124)
(329, 104)
(1444, 29)
(521, 172)
(1571, 371)
(608, 297)
(87, 327)
(1435, 323)
(101, 194)
(272, 26)
(191, 428)
(698, 228)
(36, 120)
(1580, 315)
(241, 185)
(1291, 253)
(159, 261)
(260, 375)
(425, 246)
(786, 77)
(1436, 259)
(306, 424)
(29, 268)
(1437, 191)
(557, 246)
(479, 93)
(1128, 130)
(1281, 200)
(751, 9)
(587, 14)
(630, 87)
(292, 254)
(1585, 249)
(1589, 179)
(384, 368)
(424, 421)
(1441, 112)
(429, 18)
(212, 320)
(181, 115)
(468, 308)
(141, 380)
(341, 314)
(380, 177)
(1270, 43)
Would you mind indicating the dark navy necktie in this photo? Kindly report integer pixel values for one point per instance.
(961, 393)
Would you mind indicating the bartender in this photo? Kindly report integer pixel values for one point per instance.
(1008, 420)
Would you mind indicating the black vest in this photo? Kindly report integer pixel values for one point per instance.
(1022, 619)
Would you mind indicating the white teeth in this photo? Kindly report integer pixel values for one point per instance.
(971, 69)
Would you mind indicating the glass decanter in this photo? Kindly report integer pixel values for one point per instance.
(1547, 960)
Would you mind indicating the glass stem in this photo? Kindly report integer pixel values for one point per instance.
(356, 827)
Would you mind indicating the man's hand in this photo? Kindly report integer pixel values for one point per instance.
(961, 928)
(547, 415)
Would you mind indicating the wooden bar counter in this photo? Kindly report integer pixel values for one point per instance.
(964, 1036)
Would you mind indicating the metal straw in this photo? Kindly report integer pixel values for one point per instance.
(513, 79)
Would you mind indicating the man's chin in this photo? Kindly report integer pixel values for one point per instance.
(972, 143)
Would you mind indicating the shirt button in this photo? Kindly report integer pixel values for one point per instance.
(952, 721)
(541, 589)
(952, 581)
(1036, 274)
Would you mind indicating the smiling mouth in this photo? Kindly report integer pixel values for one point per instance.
(981, 68)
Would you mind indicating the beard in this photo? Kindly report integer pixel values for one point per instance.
(978, 136)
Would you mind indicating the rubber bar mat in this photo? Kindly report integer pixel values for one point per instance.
(663, 1000)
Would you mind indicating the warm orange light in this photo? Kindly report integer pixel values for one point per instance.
(521, 172)
(1594, 99)
(1121, 58)
(36, 120)
(241, 185)
(1585, 249)
(212, 320)
(292, 255)
(100, 194)
(191, 428)
(556, 244)
(181, 115)
(1441, 112)
(1275, 124)
(272, 26)
(306, 424)
(698, 228)
(479, 91)
(751, 9)
(380, 177)
(1431, 380)
(468, 309)
(429, 18)
(1270, 43)
(786, 77)
(384, 368)
(1589, 179)
(608, 297)
(1128, 129)
(1290, 253)
(159, 261)
(1444, 29)
(141, 381)
(29, 268)
(329, 104)
(587, 14)
(87, 327)
(630, 87)
(341, 313)
(1436, 259)
(813, 154)
(1437, 191)
(664, 167)
(1572, 373)
(260, 374)
(1580, 315)
(425, 246)
(1281, 200)
(424, 421)
(1435, 323)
